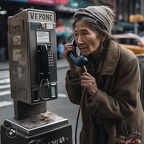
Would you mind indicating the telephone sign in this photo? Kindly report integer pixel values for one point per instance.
(40, 16)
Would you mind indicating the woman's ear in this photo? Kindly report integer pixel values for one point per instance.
(104, 36)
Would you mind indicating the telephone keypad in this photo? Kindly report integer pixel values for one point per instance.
(51, 60)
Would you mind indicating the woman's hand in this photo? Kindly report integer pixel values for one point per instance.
(89, 82)
(67, 49)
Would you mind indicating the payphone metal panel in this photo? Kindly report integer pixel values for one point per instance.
(32, 56)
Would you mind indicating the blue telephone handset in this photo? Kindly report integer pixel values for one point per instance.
(79, 61)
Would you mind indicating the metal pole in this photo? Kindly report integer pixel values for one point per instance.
(135, 25)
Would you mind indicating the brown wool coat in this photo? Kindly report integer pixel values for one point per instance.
(119, 104)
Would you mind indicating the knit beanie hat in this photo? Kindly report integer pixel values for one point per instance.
(102, 14)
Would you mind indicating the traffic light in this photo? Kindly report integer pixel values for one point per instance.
(136, 18)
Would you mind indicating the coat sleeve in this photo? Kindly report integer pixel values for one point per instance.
(124, 101)
(73, 88)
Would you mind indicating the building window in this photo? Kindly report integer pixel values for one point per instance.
(120, 10)
(131, 8)
(137, 7)
(126, 10)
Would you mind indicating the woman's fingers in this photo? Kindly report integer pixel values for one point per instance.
(89, 82)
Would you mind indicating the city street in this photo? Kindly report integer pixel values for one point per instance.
(34, 104)
(61, 106)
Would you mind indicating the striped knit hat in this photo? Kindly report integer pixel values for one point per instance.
(103, 14)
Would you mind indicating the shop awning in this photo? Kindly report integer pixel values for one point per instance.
(62, 31)
(126, 25)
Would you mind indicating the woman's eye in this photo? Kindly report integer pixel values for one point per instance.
(84, 33)
(75, 35)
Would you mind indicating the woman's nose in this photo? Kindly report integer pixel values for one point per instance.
(79, 40)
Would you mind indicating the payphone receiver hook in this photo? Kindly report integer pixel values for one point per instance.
(40, 87)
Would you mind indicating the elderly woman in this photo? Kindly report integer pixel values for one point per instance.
(108, 92)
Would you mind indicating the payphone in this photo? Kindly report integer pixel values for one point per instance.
(33, 78)
(32, 55)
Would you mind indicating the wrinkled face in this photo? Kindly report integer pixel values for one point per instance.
(85, 38)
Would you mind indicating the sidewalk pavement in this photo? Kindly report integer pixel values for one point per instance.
(62, 63)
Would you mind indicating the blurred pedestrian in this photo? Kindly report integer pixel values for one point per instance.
(60, 47)
(108, 92)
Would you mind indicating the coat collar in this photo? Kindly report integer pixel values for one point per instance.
(110, 61)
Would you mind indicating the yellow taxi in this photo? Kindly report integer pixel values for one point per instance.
(131, 41)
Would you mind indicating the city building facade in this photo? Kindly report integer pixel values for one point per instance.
(65, 9)
(126, 8)
(123, 10)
